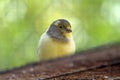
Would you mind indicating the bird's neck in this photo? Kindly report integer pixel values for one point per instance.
(60, 38)
(68, 35)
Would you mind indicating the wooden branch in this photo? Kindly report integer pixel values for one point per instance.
(94, 59)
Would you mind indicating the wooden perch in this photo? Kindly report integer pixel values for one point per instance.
(102, 62)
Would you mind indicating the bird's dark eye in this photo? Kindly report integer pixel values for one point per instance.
(60, 26)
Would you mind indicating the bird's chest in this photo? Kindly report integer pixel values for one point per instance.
(49, 48)
(60, 48)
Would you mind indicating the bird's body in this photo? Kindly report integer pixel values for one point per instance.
(54, 44)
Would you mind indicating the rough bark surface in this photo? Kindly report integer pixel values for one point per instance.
(101, 63)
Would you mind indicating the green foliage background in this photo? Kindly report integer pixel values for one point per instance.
(94, 23)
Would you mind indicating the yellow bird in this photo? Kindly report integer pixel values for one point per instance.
(57, 41)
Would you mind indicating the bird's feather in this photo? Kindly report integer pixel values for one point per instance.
(50, 48)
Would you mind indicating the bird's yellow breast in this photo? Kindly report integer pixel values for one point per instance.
(49, 48)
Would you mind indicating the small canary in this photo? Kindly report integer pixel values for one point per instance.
(57, 41)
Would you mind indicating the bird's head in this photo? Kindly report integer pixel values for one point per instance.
(59, 28)
(62, 25)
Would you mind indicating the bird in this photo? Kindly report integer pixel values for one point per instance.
(57, 41)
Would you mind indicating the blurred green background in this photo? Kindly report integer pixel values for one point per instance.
(94, 23)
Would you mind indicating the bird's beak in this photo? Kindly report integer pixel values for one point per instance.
(68, 30)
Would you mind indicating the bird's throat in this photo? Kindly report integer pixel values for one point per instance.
(68, 35)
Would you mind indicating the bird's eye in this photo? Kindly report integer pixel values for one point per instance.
(60, 26)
